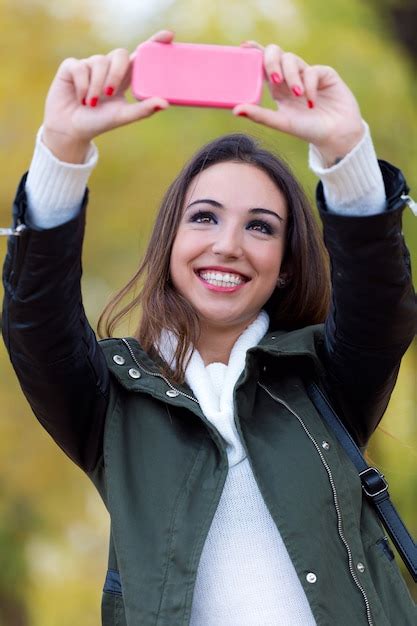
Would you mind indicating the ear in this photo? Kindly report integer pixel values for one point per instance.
(285, 272)
(284, 279)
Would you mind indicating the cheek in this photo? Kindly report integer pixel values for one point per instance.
(188, 245)
(175, 263)
(184, 250)
(175, 253)
(269, 261)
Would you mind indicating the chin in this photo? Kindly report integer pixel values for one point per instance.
(225, 319)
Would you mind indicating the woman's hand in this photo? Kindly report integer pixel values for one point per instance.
(87, 98)
(314, 104)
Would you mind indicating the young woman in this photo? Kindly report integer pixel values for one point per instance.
(231, 502)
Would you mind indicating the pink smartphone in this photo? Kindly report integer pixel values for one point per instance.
(198, 74)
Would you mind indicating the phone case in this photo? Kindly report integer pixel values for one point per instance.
(198, 74)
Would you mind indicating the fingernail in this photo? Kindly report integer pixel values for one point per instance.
(84, 102)
(109, 91)
(93, 102)
(276, 78)
(310, 104)
(158, 108)
(243, 114)
(297, 91)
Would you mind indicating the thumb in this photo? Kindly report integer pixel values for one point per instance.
(261, 115)
(132, 112)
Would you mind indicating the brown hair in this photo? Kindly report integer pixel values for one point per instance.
(303, 301)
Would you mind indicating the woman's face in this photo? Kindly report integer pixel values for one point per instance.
(228, 250)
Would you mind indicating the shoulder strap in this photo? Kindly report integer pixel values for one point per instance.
(373, 482)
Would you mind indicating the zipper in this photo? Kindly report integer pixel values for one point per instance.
(14, 232)
(409, 202)
(13, 263)
(156, 374)
(335, 500)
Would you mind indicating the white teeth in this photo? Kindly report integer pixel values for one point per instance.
(221, 280)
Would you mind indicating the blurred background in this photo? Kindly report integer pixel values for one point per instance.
(53, 526)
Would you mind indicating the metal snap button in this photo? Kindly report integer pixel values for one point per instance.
(119, 360)
(311, 577)
(172, 393)
(133, 373)
(360, 567)
(325, 445)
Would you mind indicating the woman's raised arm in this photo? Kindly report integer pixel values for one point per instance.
(373, 316)
(52, 347)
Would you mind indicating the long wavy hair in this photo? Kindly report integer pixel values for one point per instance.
(304, 300)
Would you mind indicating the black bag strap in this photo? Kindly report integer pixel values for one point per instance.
(373, 482)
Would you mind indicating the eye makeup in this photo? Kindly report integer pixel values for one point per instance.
(205, 217)
(218, 205)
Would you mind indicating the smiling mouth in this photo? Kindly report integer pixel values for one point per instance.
(222, 279)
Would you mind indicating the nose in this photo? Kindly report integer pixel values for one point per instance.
(228, 243)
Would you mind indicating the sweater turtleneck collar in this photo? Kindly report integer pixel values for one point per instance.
(213, 385)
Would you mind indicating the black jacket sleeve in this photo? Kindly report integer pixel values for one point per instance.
(373, 316)
(54, 352)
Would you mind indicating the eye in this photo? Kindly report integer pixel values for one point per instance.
(262, 227)
(202, 217)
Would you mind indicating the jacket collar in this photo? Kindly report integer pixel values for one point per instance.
(136, 371)
(303, 342)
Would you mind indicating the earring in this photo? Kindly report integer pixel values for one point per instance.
(281, 282)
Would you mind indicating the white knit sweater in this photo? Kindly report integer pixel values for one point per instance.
(245, 576)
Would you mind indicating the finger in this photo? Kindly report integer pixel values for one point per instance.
(81, 77)
(261, 115)
(78, 72)
(292, 67)
(140, 110)
(311, 77)
(164, 36)
(316, 78)
(117, 71)
(251, 44)
(254, 44)
(272, 62)
(99, 66)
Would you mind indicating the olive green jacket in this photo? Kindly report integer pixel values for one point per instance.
(163, 471)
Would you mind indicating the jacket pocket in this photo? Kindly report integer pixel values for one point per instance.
(393, 594)
(112, 605)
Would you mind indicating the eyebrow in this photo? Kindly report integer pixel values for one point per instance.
(218, 205)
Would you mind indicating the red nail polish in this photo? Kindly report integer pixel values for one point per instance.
(84, 102)
(93, 102)
(243, 114)
(276, 78)
(310, 104)
(158, 108)
(109, 91)
(297, 91)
